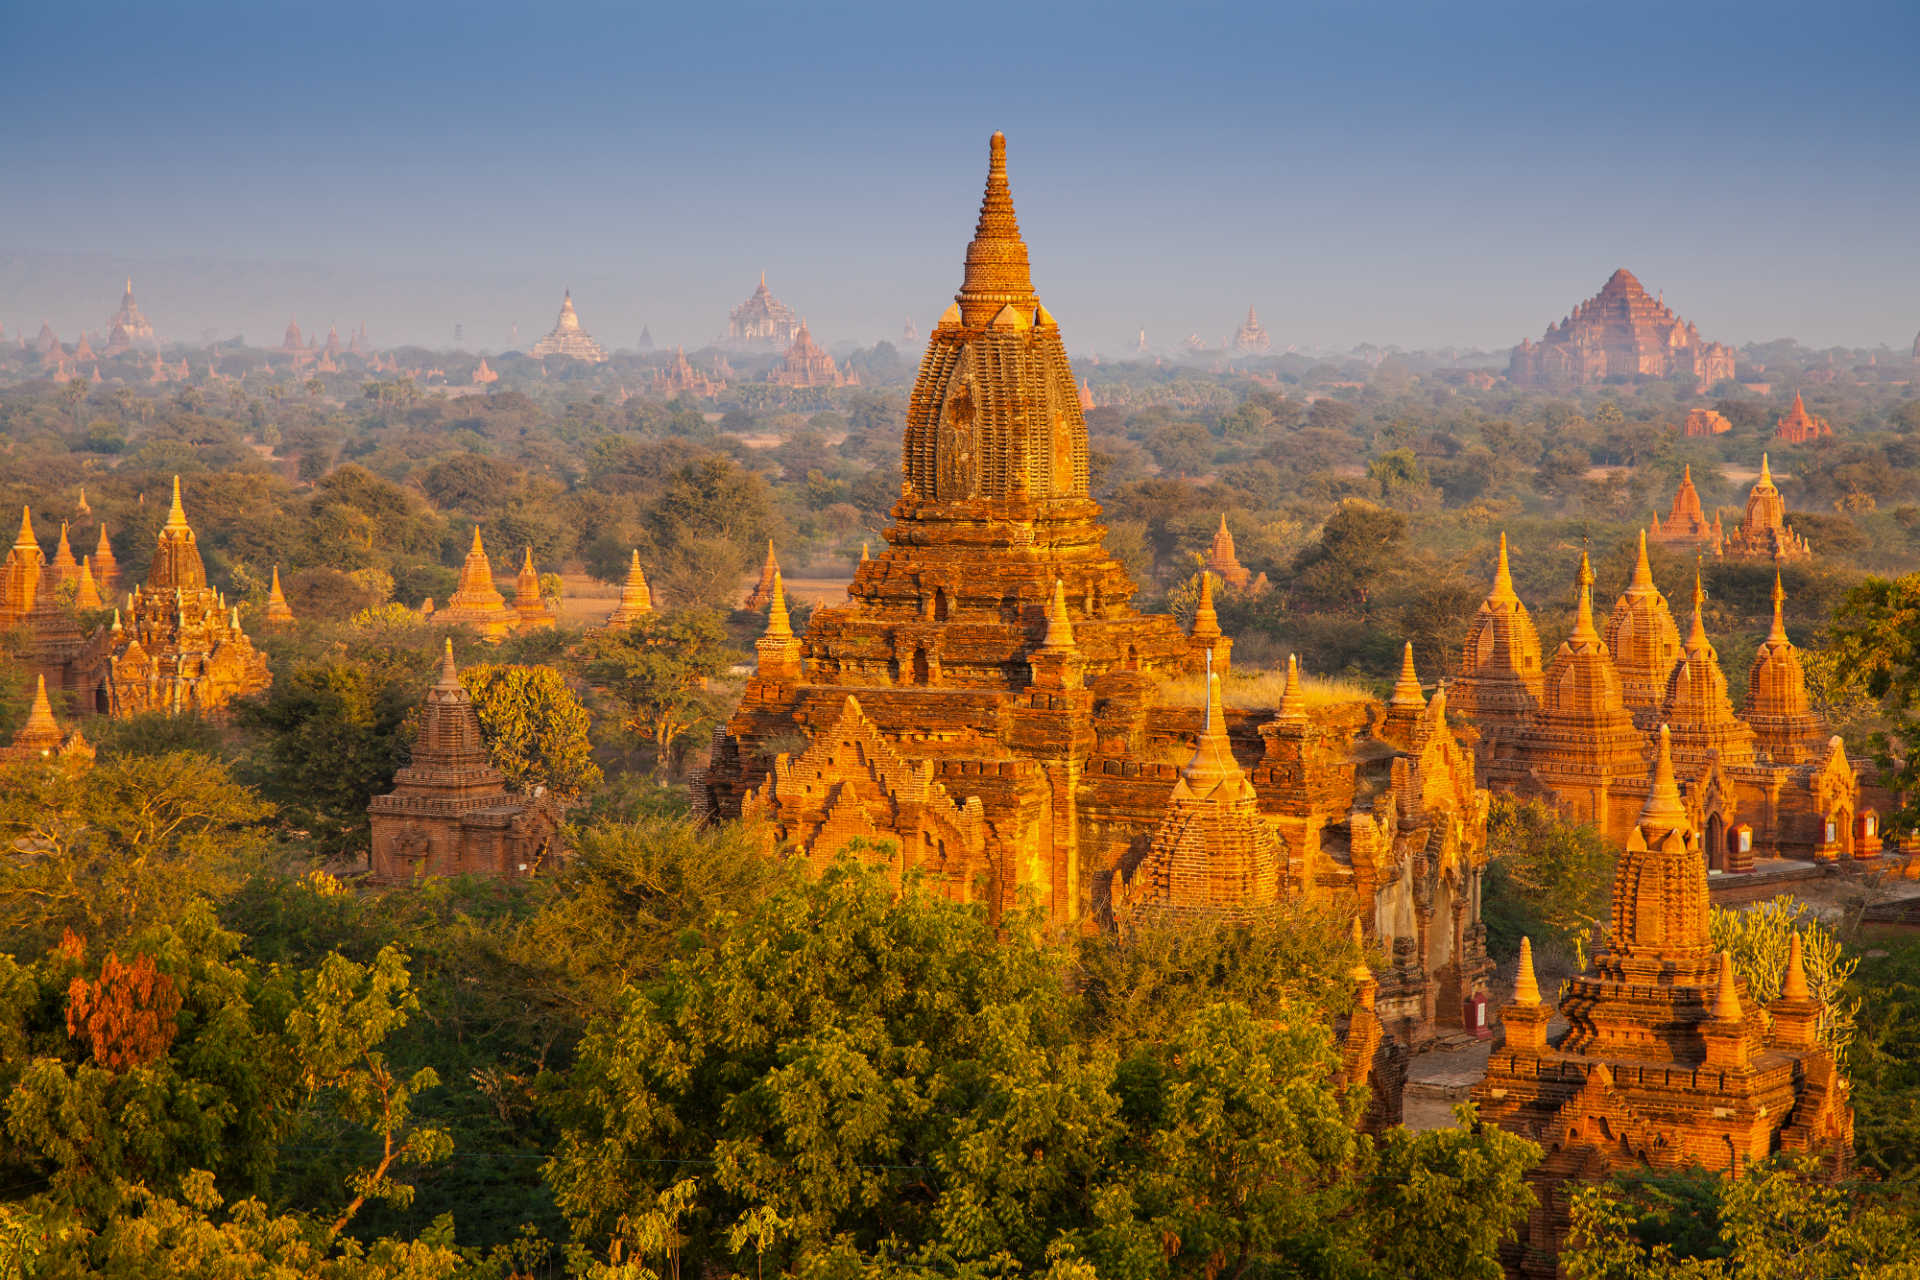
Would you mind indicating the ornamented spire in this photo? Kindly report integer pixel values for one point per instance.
(87, 594)
(778, 624)
(636, 598)
(997, 272)
(449, 673)
(1642, 570)
(40, 719)
(1778, 633)
(1406, 690)
(779, 648)
(1526, 990)
(1766, 472)
(278, 610)
(177, 513)
(26, 538)
(1697, 634)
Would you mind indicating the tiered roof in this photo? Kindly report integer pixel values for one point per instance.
(568, 338)
(1642, 637)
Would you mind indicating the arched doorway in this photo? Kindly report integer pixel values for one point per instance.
(939, 604)
(922, 672)
(1716, 843)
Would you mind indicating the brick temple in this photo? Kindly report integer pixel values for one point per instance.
(1578, 732)
(1621, 332)
(568, 338)
(1668, 1061)
(990, 710)
(1762, 532)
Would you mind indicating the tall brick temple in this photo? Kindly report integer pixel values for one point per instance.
(990, 710)
(1621, 333)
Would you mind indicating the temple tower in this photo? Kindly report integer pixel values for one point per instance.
(531, 611)
(1642, 638)
(1500, 682)
(1687, 525)
(1763, 529)
(636, 599)
(1777, 705)
(476, 602)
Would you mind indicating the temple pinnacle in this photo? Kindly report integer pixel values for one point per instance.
(1697, 635)
(1794, 985)
(1503, 576)
(41, 716)
(1059, 624)
(1664, 811)
(1406, 689)
(1206, 622)
(1213, 761)
(1583, 608)
(1526, 989)
(449, 674)
(1293, 701)
(26, 538)
(177, 513)
(1766, 472)
(778, 624)
(477, 549)
(1778, 635)
(997, 273)
(1642, 570)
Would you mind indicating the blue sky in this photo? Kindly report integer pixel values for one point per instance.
(1415, 174)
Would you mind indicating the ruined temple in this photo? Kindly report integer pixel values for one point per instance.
(1705, 422)
(1770, 781)
(1763, 529)
(568, 338)
(990, 710)
(1797, 426)
(178, 647)
(450, 812)
(1667, 1061)
(1250, 336)
(762, 321)
(1621, 333)
(681, 378)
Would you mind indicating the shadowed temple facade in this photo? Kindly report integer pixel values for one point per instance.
(990, 710)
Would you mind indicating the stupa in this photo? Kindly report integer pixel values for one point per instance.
(106, 570)
(986, 708)
(1250, 336)
(41, 738)
(179, 647)
(128, 327)
(806, 364)
(1499, 685)
(636, 599)
(531, 610)
(450, 812)
(484, 376)
(761, 596)
(568, 338)
(1763, 529)
(475, 601)
(1667, 1061)
(1621, 332)
(278, 611)
(1797, 426)
(762, 321)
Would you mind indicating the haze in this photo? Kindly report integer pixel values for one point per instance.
(1402, 174)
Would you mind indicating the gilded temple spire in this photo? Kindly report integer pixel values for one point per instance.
(997, 273)
(1583, 629)
(1503, 576)
(1642, 570)
(1726, 996)
(1664, 810)
(1778, 633)
(1526, 989)
(26, 538)
(177, 513)
(1794, 985)
(1697, 633)
(1059, 624)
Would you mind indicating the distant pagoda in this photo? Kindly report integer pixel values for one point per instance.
(476, 602)
(636, 599)
(128, 327)
(1622, 333)
(568, 338)
(763, 321)
(1251, 336)
(1796, 425)
(807, 365)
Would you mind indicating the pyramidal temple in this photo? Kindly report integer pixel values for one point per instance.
(990, 710)
(568, 338)
(1620, 332)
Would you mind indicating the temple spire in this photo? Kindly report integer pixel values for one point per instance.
(1697, 634)
(1778, 634)
(1526, 989)
(1583, 609)
(1206, 621)
(40, 718)
(1726, 997)
(177, 513)
(26, 538)
(1503, 576)
(1664, 810)
(1794, 985)
(1642, 570)
(1406, 689)
(1213, 761)
(449, 674)
(1766, 472)
(1293, 701)
(1059, 624)
(779, 626)
(997, 273)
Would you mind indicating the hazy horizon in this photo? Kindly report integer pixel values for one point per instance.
(1375, 173)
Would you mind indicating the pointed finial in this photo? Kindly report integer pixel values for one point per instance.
(1794, 985)
(1686, 475)
(1726, 998)
(1502, 575)
(1583, 607)
(1059, 623)
(1293, 700)
(1697, 636)
(477, 549)
(41, 715)
(449, 674)
(1206, 622)
(1406, 689)
(997, 274)
(1664, 810)
(526, 565)
(1526, 989)
(26, 538)
(864, 556)
(1778, 635)
(779, 626)
(87, 594)
(177, 513)
(1766, 472)
(1642, 570)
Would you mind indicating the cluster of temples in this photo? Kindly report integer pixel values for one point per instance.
(1579, 731)
(807, 364)
(989, 710)
(1763, 531)
(1667, 1060)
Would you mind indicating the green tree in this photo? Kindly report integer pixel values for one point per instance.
(536, 729)
(656, 671)
(1875, 641)
(1357, 546)
(1546, 878)
(1758, 938)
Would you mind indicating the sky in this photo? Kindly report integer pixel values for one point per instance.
(1414, 174)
